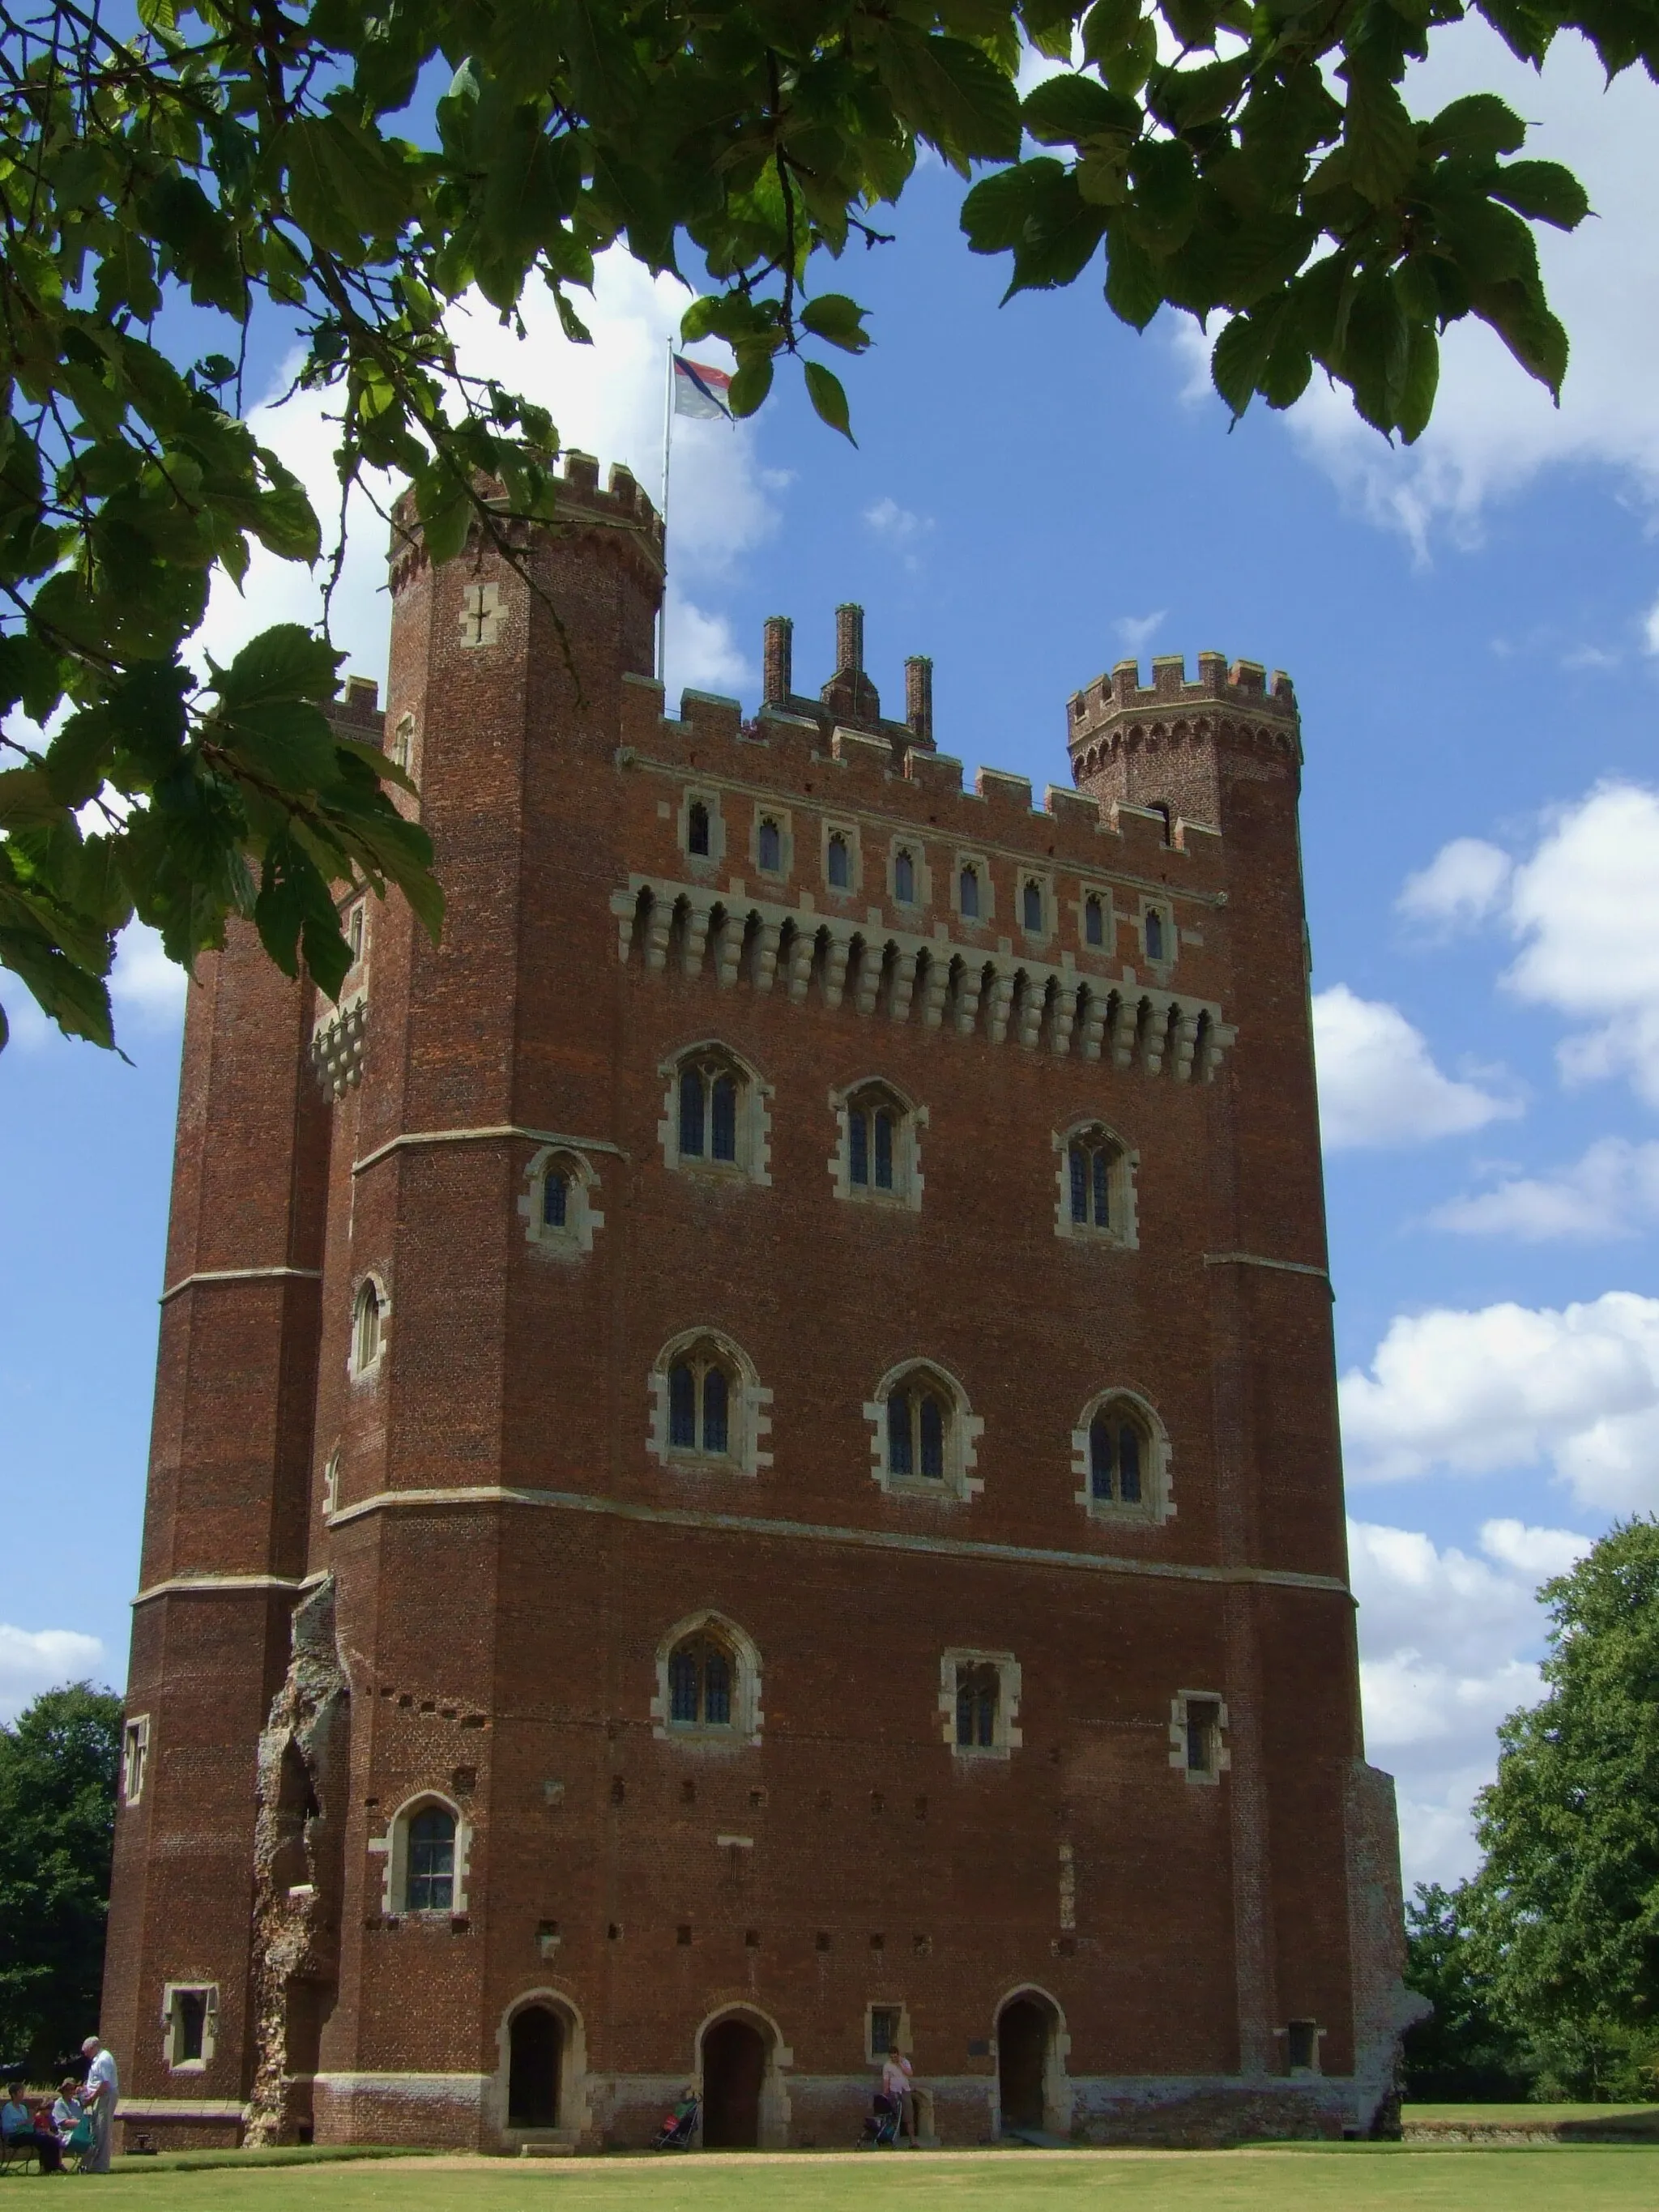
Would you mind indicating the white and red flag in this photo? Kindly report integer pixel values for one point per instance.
(700, 390)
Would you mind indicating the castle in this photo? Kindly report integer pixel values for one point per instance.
(745, 1465)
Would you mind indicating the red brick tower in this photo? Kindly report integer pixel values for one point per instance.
(745, 1464)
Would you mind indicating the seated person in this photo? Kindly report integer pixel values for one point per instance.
(68, 2113)
(17, 2125)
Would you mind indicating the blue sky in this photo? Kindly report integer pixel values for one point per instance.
(1474, 632)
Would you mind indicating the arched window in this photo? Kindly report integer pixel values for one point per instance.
(839, 862)
(700, 1672)
(979, 1694)
(1117, 1449)
(1155, 935)
(769, 847)
(1094, 920)
(708, 1408)
(696, 828)
(709, 1111)
(925, 1434)
(699, 1405)
(366, 1327)
(1122, 1456)
(429, 1871)
(904, 876)
(916, 1419)
(879, 1156)
(1097, 1192)
(556, 1198)
(1030, 902)
(968, 894)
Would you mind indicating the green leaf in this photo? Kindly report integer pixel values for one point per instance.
(1135, 290)
(28, 801)
(345, 183)
(751, 383)
(1237, 359)
(1480, 125)
(1107, 28)
(1422, 380)
(1071, 109)
(951, 95)
(995, 213)
(1381, 140)
(823, 389)
(836, 319)
(1544, 191)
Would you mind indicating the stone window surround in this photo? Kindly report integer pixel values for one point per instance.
(748, 1418)
(573, 2101)
(908, 1178)
(1009, 1736)
(1282, 2035)
(910, 841)
(135, 1757)
(171, 1993)
(872, 2056)
(1198, 1777)
(1044, 879)
(747, 1717)
(1122, 1197)
(754, 1160)
(981, 863)
(963, 1433)
(482, 615)
(1164, 968)
(784, 820)
(1107, 948)
(371, 1369)
(828, 825)
(332, 1483)
(581, 1215)
(1157, 1493)
(393, 1847)
(707, 863)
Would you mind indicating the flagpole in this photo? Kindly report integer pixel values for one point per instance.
(667, 435)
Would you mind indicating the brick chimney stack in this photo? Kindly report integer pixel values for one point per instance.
(777, 659)
(919, 696)
(849, 640)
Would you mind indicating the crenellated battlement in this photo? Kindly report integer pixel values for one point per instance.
(1245, 683)
(622, 504)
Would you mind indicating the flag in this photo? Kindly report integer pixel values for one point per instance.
(700, 390)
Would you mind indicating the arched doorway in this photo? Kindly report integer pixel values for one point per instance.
(733, 2070)
(535, 2051)
(1024, 2026)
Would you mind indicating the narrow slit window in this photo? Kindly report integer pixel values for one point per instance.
(905, 877)
(723, 1119)
(696, 828)
(1094, 922)
(770, 847)
(683, 1407)
(366, 1348)
(916, 1432)
(858, 1148)
(1203, 1731)
(968, 894)
(1154, 934)
(1100, 1459)
(715, 1395)
(1031, 904)
(691, 1113)
(930, 1422)
(883, 1134)
(840, 863)
(189, 2026)
(899, 1458)
(700, 1407)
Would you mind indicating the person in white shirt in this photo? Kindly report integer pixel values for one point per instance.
(896, 2079)
(103, 2088)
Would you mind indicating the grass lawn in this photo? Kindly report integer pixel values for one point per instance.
(1355, 2177)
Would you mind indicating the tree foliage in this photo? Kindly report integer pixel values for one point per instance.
(1568, 1897)
(58, 1769)
(357, 167)
(1466, 2051)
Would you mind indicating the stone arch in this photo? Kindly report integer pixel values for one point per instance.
(960, 1443)
(518, 2059)
(1156, 1503)
(747, 1717)
(748, 1403)
(1029, 2039)
(727, 2056)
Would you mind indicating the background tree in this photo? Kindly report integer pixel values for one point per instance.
(1566, 1904)
(57, 1771)
(1466, 2052)
(357, 166)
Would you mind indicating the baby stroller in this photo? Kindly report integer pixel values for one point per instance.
(679, 2126)
(881, 2124)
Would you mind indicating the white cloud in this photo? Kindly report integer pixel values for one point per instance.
(703, 651)
(145, 984)
(33, 1659)
(1447, 1649)
(1134, 632)
(606, 398)
(1509, 1386)
(1494, 429)
(1583, 908)
(1378, 1085)
(902, 530)
(1612, 1192)
(1461, 885)
(1650, 628)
